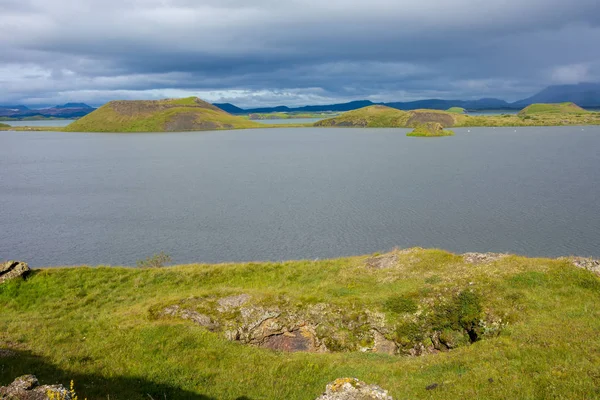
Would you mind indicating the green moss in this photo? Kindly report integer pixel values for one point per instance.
(401, 304)
(430, 129)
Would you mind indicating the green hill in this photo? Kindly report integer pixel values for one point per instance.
(552, 108)
(457, 110)
(3, 126)
(379, 116)
(484, 326)
(170, 115)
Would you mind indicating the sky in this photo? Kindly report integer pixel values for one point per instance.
(293, 52)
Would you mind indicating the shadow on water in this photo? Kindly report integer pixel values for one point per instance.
(91, 386)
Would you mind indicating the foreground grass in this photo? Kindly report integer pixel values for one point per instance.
(92, 324)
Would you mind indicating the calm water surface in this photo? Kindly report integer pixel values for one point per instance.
(289, 121)
(276, 194)
(50, 122)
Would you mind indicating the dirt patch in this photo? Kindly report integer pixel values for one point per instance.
(418, 118)
(6, 353)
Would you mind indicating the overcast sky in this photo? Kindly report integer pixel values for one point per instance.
(293, 52)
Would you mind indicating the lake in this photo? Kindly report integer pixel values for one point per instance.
(278, 194)
(49, 122)
(288, 121)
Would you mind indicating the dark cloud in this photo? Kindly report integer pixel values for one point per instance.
(292, 52)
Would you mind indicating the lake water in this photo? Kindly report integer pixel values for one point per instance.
(277, 194)
(289, 121)
(49, 122)
(493, 112)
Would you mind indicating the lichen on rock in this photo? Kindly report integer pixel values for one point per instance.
(483, 258)
(353, 389)
(27, 387)
(13, 269)
(587, 263)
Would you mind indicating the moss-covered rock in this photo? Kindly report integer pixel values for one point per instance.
(430, 129)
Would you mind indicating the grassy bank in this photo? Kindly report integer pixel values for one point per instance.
(96, 325)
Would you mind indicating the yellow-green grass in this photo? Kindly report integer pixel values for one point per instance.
(158, 116)
(92, 325)
(552, 108)
(431, 129)
(386, 117)
(457, 110)
(4, 125)
(368, 117)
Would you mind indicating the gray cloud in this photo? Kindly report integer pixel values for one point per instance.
(292, 52)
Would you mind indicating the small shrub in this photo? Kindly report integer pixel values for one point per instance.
(156, 261)
(461, 313)
(401, 305)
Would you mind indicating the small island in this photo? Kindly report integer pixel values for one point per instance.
(378, 116)
(169, 115)
(457, 110)
(430, 129)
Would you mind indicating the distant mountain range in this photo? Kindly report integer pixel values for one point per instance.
(69, 110)
(583, 94)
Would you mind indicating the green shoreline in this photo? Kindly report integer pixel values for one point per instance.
(505, 326)
(193, 114)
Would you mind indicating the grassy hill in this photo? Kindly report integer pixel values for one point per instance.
(536, 115)
(457, 110)
(554, 108)
(4, 125)
(187, 114)
(478, 326)
(379, 116)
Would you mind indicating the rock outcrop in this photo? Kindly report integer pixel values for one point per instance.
(27, 387)
(353, 389)
(589, 264)
(482, 258)
(289, 325)
(13, 269)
